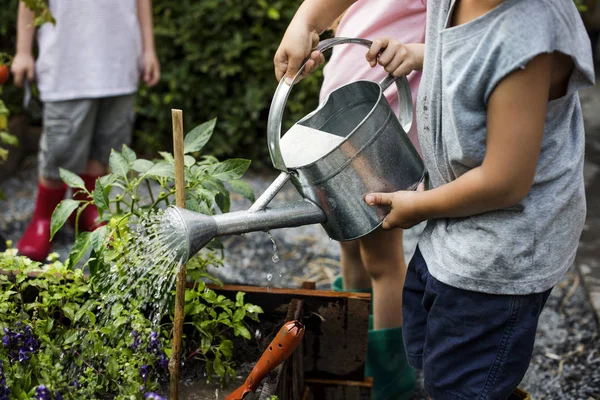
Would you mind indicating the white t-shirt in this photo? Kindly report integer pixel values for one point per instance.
(94, 50)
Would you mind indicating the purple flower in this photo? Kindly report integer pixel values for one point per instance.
(144, 373)
(136, 339)
(58, 396)
(153, 396)
(163, 361)
(42, 393)
(153, 343)
(20, 345)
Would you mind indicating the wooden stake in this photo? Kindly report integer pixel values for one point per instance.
(174, 362)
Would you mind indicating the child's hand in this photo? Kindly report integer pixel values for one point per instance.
(294, 48)
(23, 66)
(404, 207)
(396, 58)
(150, 68)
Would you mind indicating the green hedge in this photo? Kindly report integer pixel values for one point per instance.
(216, 61)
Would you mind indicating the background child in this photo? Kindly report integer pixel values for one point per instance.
(377, 261)
(501, 132)
(88, 70)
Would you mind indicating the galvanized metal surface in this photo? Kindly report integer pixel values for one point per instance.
(201, 229)
(375, 156)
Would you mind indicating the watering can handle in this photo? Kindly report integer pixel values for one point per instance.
(283, 91)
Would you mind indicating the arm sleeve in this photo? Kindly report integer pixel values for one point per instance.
(531, 29)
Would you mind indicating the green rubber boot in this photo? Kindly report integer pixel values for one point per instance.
(393, 378)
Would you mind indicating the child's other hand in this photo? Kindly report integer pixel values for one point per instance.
(150, 68)
(294, 48)
(23, 66)
(396, 58)
(404, 213)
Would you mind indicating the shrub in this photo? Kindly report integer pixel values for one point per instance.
(216, 58)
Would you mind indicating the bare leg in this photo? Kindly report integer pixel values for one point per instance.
(383, 257)
(96, 168)
(50, 183)
(354, 275)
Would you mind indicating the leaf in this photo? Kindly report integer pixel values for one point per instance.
(162, 169)
(98, 237)
(273, 13)
(252, 309)
(61, 214)
(100, 198)
(108, 180)
(218, 366)
(11, 140)
(243, 188)
(167, 156)
(112, 367)
(69, 311)
(223, 201)
(118, 163)
(240, 330)
(198, 137)
(239, 315)
(91, 316)
(71, 179)
(80, 248)
(142, 166)
(72, 336)
(128, 154)
(239, 299)
(188, 161)
(226, 347)
(231, 169)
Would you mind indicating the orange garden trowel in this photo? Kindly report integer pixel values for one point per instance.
(287, 339)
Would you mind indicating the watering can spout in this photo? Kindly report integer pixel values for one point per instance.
(200, 229)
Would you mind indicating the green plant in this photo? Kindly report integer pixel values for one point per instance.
(117, 195)
(95, 340)
(217, 60)
(55, 334)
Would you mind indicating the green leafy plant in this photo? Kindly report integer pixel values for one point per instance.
(55, 335)
(118, 196)
(70, 336)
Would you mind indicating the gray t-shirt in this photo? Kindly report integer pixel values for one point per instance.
(522, 249)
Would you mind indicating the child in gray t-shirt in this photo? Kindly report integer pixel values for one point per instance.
(501, 131)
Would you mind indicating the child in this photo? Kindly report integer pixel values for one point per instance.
(377, 261)
(87, 71)
(501, 132)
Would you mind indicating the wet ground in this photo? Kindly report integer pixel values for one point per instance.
(566, 360)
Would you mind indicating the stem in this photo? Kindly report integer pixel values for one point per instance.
(149, 190)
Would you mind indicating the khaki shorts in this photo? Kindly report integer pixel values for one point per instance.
(76, 131)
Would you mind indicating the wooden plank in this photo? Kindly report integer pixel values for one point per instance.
(324, 389)
(335, 340)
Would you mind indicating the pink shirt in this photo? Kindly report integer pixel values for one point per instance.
(403, 20)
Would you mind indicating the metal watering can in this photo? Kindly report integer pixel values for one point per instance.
(374, 156)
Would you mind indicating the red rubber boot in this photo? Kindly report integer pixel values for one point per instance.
(88, 220)
(35, 242)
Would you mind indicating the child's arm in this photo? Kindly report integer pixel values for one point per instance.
(150, 65)
(515, 126)
(23, 64)
(302, 35)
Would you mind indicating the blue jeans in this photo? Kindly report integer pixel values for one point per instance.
(470, 345)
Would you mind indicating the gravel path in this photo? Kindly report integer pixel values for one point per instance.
(566, 361)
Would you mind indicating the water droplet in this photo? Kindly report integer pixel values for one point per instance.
(275, 258)
(269, 277)
(257, 334)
